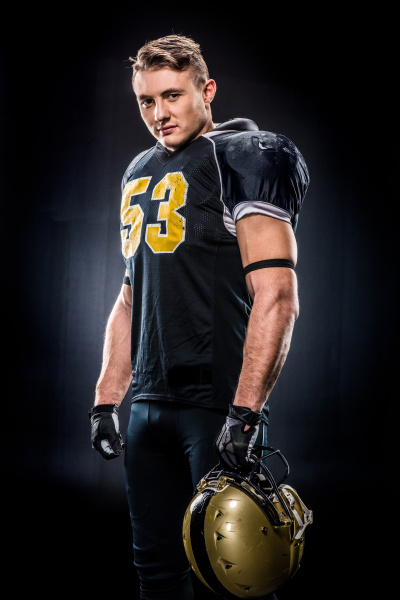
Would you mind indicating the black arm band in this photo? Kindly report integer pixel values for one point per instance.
(126, 280)
(273, 262)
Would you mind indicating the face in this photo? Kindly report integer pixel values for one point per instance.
(175, 110)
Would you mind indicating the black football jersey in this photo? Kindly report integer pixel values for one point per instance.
(190, 301)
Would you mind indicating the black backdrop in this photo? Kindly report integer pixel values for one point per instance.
(69, 128)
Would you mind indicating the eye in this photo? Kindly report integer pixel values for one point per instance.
(146, 103)
(173, 96)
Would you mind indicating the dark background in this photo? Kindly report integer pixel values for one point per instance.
(69, 127)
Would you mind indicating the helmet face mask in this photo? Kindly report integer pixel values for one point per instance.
(244, 533)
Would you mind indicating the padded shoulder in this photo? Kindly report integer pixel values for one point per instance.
(131, 166)
(262, 150)
(237, 124)
(262, 168)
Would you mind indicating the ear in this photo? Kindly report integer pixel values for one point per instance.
(209, 90)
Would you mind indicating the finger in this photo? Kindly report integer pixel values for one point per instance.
(104, 448)
(117, 445)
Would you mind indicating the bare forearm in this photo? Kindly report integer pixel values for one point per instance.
(266, 347)
(116, 370)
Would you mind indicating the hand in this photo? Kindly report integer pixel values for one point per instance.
(233, 444)
(106, 437)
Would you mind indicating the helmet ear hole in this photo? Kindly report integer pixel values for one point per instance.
(243, 534)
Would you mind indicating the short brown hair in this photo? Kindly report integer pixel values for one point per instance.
(174, 51)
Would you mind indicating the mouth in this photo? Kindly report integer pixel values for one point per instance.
(167, 129)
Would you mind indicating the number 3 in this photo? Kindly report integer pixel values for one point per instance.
(132, 216)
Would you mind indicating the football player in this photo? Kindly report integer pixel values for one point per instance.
(203, 322)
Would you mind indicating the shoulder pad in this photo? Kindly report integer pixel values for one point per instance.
(131, 166)
(237, 124)
(261, 148)
(261, 168)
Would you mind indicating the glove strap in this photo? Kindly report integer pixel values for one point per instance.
(103, 408)
(245, 415)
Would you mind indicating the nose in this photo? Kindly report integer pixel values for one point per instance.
(161, 111)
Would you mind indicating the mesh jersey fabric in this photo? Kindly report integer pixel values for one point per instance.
(190, 303)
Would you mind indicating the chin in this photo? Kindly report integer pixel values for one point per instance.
(176, 143)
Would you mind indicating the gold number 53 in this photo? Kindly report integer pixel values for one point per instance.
(132, 215)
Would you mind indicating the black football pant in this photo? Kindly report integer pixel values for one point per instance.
(169, 448)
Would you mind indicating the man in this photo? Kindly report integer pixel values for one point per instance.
(207, 228)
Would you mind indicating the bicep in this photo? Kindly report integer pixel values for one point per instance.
(261, 237)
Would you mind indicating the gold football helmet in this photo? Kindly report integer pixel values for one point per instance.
(244, 533)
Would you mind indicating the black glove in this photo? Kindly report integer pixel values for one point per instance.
(106, 437)
(234, 445)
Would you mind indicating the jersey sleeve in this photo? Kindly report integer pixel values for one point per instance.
(264, 174)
